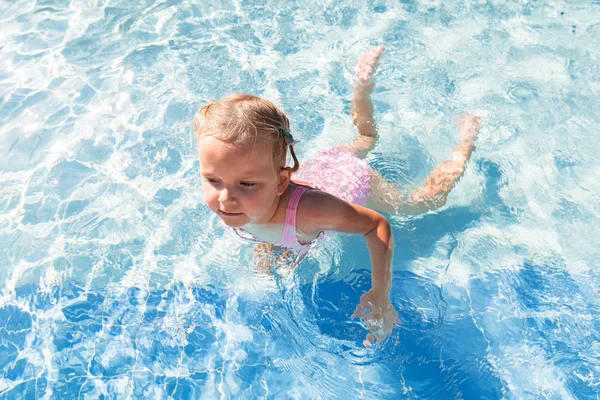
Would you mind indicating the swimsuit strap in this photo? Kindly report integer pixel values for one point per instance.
(289, 237)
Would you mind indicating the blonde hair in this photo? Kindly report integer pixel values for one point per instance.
(242, 119)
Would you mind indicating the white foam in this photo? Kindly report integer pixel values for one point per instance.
(444, 42)
(548, 69)
(528, 372)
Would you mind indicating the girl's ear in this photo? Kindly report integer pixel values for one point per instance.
(285, 177)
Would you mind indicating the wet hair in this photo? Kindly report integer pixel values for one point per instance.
(243, 119)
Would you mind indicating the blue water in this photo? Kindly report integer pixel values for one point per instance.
(118, 283)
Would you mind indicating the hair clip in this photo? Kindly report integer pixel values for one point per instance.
(288, 135)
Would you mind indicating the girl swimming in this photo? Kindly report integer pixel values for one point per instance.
(243, 146)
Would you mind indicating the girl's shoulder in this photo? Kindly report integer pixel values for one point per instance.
(320, 211)
(315, 209)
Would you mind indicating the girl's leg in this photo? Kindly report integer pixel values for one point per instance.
(433, 193)
(362, 107)
(385, 196)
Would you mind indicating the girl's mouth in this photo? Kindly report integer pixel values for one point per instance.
(227, 214)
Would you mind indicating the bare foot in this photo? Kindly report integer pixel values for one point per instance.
(469, 127)
(367, 64)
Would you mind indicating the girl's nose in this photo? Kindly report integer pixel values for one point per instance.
(225, 196)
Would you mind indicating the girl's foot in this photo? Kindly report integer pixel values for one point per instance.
(469, 127)
(367, 64)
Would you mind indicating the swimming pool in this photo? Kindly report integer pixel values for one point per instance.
(118, 283)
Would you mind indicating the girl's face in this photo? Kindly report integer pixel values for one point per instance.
(240, 183)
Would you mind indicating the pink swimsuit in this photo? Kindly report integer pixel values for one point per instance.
(335, 171)
(289, 238)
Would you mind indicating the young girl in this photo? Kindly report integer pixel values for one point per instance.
(243, 144)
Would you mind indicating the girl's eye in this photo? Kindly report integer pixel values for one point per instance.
(212, 180)
(248, 184)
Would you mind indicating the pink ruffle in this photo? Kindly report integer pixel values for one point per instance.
(337, 172)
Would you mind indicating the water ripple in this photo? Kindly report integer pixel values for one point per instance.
(117, 279)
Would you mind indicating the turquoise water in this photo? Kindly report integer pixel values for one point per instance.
(118, 283)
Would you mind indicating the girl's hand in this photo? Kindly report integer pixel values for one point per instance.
(378, 314)
(266, 256)
(263, 258)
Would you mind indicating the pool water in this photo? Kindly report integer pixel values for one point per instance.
(117, 282)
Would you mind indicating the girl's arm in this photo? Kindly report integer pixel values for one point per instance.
(319, 211)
